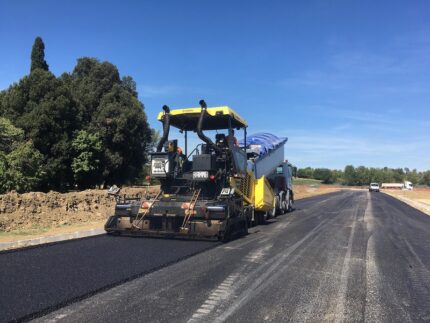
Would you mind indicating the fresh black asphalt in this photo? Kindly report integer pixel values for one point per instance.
(342, 257)
(44, 277)
(352, 256)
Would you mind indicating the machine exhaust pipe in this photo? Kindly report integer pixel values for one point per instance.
(166, 128)
(200, 126)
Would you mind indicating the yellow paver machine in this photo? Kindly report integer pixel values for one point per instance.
(216, 191)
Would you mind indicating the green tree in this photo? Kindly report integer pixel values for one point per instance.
(425, 180)
(413, 176)
(89, 82)
(4, 176)
(24, 168)
(305, 172)
(9, 135)
(22, 97)
(67, 119)
(349, 175)
(361, 176)
(324, 174)
(155, 138)
(337, 175)
(294, 171)
(398, 175)
(20, 162)
(14, 101)
(87, 163)
(50, 121)
(122, 126)
(108, 106)
(375, 175)
(2, 95)
(129, 84)
(38, 55)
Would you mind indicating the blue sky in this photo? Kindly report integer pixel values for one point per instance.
(348, 82)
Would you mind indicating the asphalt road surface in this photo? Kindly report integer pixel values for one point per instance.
(348, 256)
(36, 280)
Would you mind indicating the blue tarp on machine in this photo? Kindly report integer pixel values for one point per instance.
(265, 152)
(266, 142)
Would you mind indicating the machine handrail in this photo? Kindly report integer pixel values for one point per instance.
(195, 149)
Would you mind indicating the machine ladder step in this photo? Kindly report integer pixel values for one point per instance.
(141, 216)
(188, 212)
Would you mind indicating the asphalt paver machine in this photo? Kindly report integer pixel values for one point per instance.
(214, 192)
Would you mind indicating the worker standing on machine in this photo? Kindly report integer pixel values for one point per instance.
(180, 155)
(180, 159)
(232, 138)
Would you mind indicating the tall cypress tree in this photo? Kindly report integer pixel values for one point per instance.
(38, 55)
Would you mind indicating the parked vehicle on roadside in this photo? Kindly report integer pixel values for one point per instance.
(406, 185)
(374, 187)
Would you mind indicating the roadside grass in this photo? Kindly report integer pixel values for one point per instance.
(306, 181)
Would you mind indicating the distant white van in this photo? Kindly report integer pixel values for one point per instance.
(374, 187)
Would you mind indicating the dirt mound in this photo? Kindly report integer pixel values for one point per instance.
(36, 209)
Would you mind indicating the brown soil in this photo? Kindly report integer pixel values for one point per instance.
(38, 211)
(302, 191)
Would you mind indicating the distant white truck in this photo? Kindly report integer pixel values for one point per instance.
(406, 185)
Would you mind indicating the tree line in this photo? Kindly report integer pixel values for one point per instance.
(78, 130)
(357, 176)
